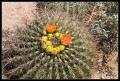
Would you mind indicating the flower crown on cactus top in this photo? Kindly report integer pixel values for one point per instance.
(53, 41)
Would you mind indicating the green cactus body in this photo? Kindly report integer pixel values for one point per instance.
(33, 62)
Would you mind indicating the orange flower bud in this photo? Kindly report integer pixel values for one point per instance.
(51, 28)
(65, 39)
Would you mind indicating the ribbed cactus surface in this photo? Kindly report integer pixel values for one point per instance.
(31, 61)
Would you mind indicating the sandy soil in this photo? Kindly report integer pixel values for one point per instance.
(15, 14)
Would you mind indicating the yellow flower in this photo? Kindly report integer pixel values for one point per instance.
(48, 43)
(54, 51)
(50, 35)
(58, 49)
(61, 47)
(57, 34)
(44, 38)
(49, 49)
(60, 36)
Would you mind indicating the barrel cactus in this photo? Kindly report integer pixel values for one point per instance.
(49, 47)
